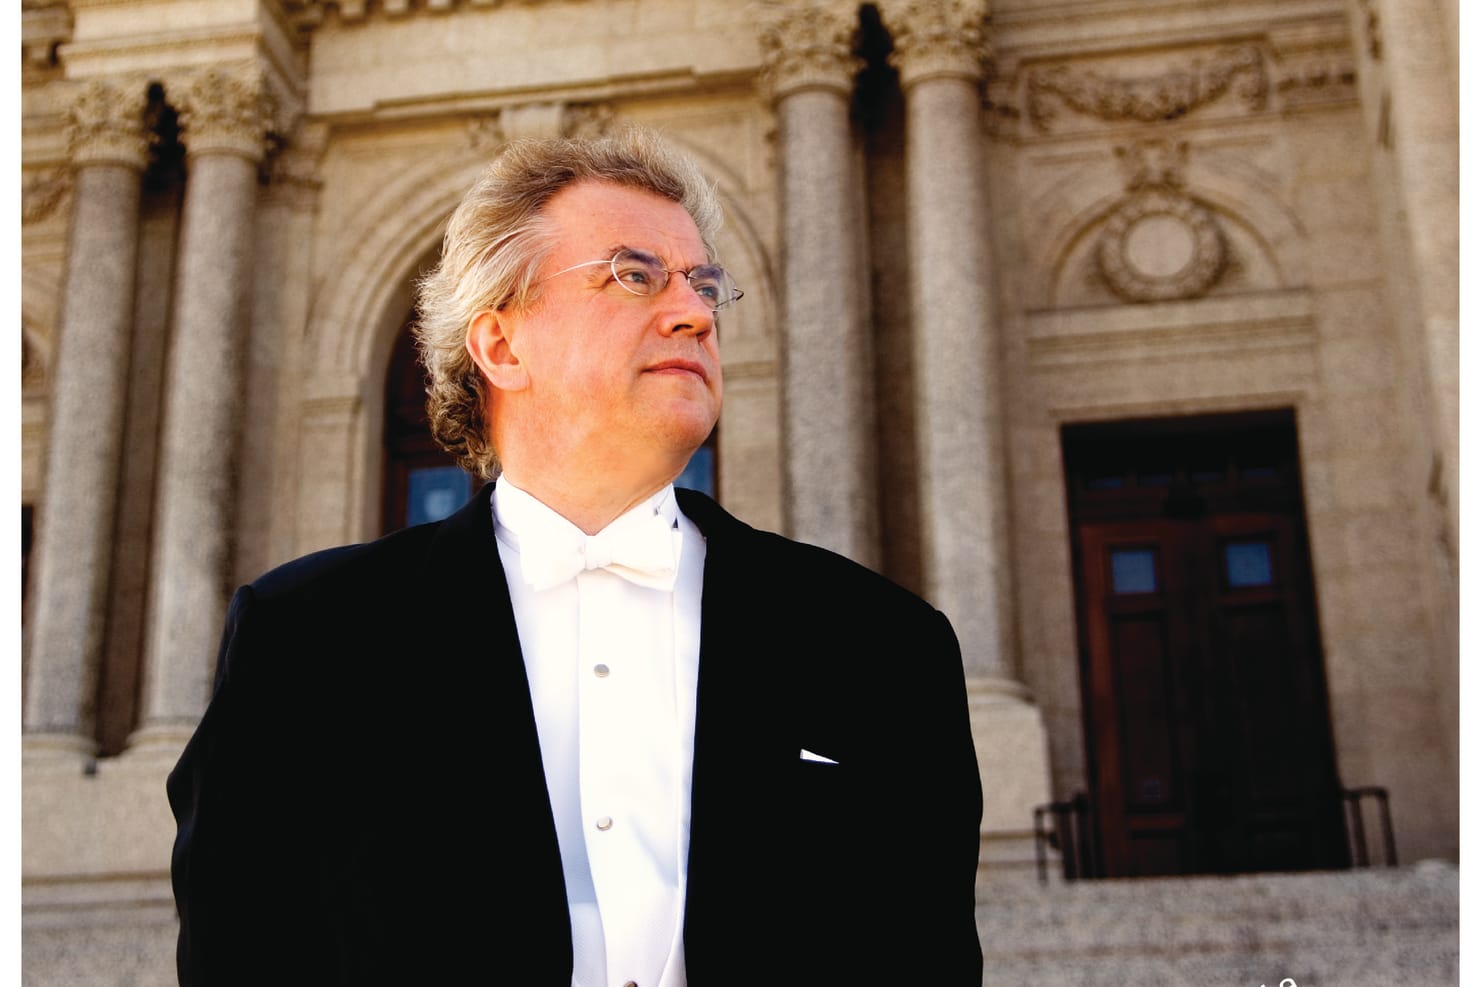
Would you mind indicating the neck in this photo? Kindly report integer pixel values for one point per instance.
(588, 506)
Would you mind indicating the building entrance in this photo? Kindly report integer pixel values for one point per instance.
(1205, 701)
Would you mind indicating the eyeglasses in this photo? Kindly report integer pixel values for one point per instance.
(640, 273)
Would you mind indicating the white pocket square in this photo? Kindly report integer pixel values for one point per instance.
(818, 758)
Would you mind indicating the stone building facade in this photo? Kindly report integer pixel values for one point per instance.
(1125, 331)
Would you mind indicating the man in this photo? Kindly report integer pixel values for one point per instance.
(588, 730)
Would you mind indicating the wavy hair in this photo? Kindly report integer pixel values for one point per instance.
(496, 242)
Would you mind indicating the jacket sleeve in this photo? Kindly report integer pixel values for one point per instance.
(238, 860)
(927, 810)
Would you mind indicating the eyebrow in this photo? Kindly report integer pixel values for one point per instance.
(706, 262)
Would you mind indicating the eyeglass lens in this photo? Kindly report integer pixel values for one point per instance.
(643, 274)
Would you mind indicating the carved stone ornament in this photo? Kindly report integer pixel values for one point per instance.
(538, 120)
(1151, 99)
(105, 125)
(1160, 245)
(807, 45)
(293, 171)
(588, 120)
(40, 197)
(938, 38)
(486, 133)
(226, 113)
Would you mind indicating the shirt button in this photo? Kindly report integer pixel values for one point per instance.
(604, 823)
(602, 671)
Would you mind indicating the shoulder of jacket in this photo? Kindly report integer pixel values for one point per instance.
(346, 565)
(787, 565)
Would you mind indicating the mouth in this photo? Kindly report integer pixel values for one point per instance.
(680, 367)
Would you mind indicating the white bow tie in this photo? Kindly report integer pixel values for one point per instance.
(643, 551)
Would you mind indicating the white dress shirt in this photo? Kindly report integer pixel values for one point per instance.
(613, 667)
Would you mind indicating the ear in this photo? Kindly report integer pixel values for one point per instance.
(488, 343)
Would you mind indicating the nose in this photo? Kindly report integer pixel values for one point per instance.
(685, 312)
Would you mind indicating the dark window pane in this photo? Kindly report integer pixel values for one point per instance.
(434, 492)
(699, 473)
(1133, 570)
(1248, 564)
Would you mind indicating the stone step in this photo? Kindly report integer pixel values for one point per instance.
(1355, 928)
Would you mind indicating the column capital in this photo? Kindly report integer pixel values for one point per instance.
(934, 38)
(105, 124)
(808, 45)
(225, 112)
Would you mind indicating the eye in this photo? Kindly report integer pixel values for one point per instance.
(638, 273)
(709, 284)
(634, 276)
(707, 289)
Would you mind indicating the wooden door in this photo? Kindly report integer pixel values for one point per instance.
(1206, 712)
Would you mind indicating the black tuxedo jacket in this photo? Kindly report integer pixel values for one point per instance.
(364, 802)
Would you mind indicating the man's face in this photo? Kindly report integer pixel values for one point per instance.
(612, 376)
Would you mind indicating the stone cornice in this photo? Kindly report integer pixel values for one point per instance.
(938, 38)
(105, 124)
(224, 112)
(309, 14)
(807, 45)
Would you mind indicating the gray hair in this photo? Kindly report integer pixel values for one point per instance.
(495, 244)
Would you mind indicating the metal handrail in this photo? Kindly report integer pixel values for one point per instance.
(1352, 799)
(1071, 835)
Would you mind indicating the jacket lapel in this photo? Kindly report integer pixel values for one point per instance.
(740, 744)
(493, 740)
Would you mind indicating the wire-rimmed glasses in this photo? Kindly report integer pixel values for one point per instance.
(640, 273)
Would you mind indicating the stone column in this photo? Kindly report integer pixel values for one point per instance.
(940, 50)
(831, 475)
(224, 125)
(109, 149)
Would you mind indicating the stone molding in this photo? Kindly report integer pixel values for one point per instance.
(45, 24)
(1371, 27)
(43, 193)
(35, 362)
(807, 45)
(225, 112)
(105, 124)
(938, 38)
(1320, 77)
(293, 173)
(1314, 66)
(1149, 99)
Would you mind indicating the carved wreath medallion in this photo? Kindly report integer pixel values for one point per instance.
(1160, 245)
